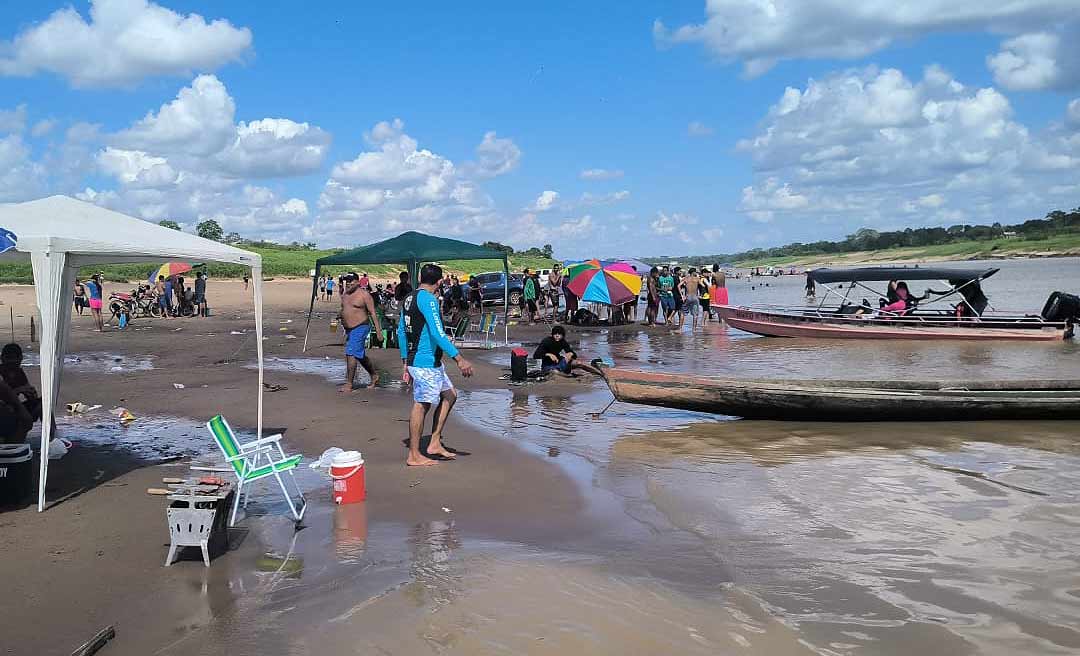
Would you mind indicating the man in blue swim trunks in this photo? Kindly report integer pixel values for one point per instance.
(422, 342)
(357, 310)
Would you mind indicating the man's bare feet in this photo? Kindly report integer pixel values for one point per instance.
(420, 462)
(347, 388)
(374, 380)
(436, 448)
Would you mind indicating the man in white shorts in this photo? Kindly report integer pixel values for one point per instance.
(423, 342)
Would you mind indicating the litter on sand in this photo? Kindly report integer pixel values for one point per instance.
(235, 332)
(178, 385)
(447, 510)
(290, 336)
(77, 408)
(286, 321)
(274, 388)
(123, 414)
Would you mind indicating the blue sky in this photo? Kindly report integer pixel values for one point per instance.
(706, 127)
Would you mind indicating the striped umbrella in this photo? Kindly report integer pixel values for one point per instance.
(169, 269)
(598, 281)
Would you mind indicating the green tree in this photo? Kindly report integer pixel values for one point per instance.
(166, 223)
(210, 229)
(548, 252)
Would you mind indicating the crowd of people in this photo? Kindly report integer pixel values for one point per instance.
(671, 296)
(168, 297)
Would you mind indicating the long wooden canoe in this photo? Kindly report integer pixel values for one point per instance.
(849, 400)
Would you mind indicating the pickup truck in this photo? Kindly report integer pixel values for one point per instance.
(493, 284)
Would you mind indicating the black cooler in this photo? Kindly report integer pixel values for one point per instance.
(16, 473)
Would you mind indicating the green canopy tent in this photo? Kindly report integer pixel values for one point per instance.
(411, 249)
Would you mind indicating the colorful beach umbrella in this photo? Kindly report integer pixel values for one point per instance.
(597, 281)
(169, 269)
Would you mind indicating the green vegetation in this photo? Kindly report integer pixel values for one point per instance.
(1057, 234)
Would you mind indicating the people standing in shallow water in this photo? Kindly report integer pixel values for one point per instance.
(690, 295)
(652, 296)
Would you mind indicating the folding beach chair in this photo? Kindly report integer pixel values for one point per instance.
(254, 460)
(459, 331)
(488, 323)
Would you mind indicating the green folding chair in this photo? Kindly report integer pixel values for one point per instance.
(255, 460)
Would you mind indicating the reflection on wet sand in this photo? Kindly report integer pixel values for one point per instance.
(860, 538)
(921, 536)
(777, 442)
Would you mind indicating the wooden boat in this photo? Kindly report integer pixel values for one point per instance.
(848, 400)
(966, 319)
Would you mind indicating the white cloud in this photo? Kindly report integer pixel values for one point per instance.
(20, 177)
(274, 147)
(1072, 113)
(196, 132)
(529, 230)
(137, 168)
(13, 121)
(190, 161)
(1039, 60)
(869, 147)
(588, 198)
(673, 225)
(545, 201)
(123, 42)
(43, 127)
(762, 32)
(495, 157)
(601, 174)
(699, 129)
(762, 202)
(399, 186)
(198, 122)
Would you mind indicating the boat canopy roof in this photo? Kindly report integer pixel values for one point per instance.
(867, 274)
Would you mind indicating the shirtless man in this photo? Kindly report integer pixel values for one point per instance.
(357, 307)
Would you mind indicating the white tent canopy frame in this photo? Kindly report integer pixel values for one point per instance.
(58, 235)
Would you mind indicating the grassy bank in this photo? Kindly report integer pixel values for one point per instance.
(1058, 246)
(277, 263)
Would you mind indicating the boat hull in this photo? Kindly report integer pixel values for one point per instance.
(778, 324)
(849, 400)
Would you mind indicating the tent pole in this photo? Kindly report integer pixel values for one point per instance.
(53, 284)
(314, 295)
(256, 276)
(506, 301)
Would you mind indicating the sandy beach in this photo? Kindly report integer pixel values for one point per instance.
(94, 557)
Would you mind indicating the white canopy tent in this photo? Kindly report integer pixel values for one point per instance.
(58, 235)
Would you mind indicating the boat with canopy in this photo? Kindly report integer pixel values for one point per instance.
(961, 311)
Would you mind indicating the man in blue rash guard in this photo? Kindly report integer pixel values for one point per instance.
(423, 342)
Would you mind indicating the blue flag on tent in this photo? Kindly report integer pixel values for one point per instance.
(7, 240)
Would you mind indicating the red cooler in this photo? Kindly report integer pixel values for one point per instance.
(347, 472)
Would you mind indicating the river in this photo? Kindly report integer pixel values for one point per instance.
(875, 538)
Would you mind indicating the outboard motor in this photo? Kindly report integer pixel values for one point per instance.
(1062, 307)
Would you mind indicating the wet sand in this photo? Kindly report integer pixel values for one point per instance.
(95, 556)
